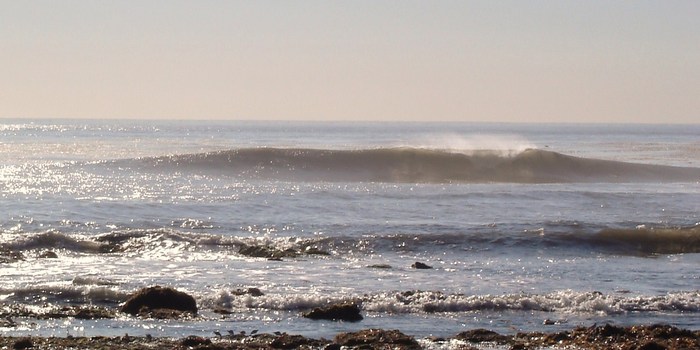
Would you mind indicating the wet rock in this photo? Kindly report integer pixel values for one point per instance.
(24, 343)
(609, 331)
(195, 341)
(558, 337)
(254, 251)
(339, 312)
(651, 346)
(377, 339)
(379, 266)
(421, 266)
(160, 299)
(253, 292)
(222, 311)
(668, 332)
(48, 255)
(9, 256)
(315, 251)
(162, 314)
(93, 313)
(286, 341)
(482, 335)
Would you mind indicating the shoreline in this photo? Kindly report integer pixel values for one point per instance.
(594, 337)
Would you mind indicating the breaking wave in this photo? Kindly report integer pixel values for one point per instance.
(170, 242)
(653, 240)
(406, 164)
(410, 302)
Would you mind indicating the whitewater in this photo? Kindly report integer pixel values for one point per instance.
(526, 227)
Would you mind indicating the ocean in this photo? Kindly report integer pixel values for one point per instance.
(527, 227)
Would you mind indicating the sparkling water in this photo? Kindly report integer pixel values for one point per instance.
(564, 225)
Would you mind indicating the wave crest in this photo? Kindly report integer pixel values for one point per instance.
(416, 165)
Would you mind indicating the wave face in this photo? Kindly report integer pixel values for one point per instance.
(167, 243)
(417, 165)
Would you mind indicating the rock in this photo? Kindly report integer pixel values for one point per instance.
(610, 330)
(667, 332)
(339, 312)
(48, 255)
(315, 251)
(377, 339)
(195, 341)
(379, 266)
(159, 298)
(254, 292)
(286, 341)
(254, 251)
(9, 256)
(651, 346)
(421, 266)
(24, 343)
(93, 313)
(482, 335)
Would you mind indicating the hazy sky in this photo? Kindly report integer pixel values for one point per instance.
(529, 61)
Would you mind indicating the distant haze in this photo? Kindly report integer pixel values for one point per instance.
(504, 61)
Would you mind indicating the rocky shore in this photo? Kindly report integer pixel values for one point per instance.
(654, 337)
(168, 303)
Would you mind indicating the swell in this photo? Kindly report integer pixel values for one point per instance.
(652, 240)
(163, 242)
(416, 165)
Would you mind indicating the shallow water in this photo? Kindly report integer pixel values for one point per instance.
(132, 204)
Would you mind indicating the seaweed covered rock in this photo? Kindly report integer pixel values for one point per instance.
(482, 335)
(338, 312)
(159, 300)
(377, 339)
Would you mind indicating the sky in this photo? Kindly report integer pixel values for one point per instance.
(498, 61)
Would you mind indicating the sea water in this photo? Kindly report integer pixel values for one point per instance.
(526, 226)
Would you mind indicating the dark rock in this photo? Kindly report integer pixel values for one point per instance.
(93, 314)
(254, 251)
(286, 341)
(222, 311)
(24, 343)
(254, 292)
(162, 314)
(48, 255)
(668, 332)
(315, 251)
(482, 335)
(652, 346)
(9, 256)
(377, 339)
(609, 331)
(195, 341)
(155, 298)
(421, 266)
(339, 312)
(557, 337)
(519, 347)
(333, 346)
(379, 266)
